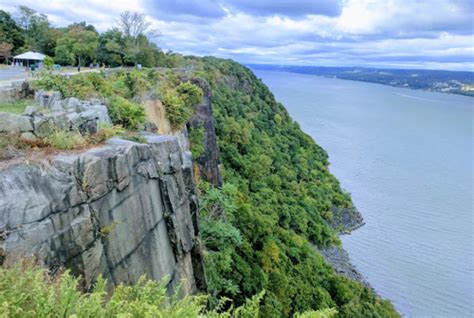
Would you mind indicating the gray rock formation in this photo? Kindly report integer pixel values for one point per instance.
(338, 258)
(66, 114)
(346, 220)
(209, 162)
(14, 123)
(53, 113)
(121, 210)
(15, 91)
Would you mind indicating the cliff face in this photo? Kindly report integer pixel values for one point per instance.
(208, 162)
(121, 210)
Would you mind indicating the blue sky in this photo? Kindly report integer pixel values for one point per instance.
(434, 34)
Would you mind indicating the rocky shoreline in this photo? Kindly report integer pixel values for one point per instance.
(345, 221)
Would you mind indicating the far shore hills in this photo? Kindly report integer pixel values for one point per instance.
(454, 82)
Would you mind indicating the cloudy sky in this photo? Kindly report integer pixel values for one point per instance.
(435, 34)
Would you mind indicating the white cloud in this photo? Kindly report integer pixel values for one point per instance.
(436, 33)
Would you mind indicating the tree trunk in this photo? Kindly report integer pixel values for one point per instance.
(78, 63)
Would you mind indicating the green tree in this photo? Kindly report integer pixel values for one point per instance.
(111, 47)
(135, 28)
(37, 30)
(10, 32)
(77, 44)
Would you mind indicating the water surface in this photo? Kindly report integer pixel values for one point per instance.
(407, 158)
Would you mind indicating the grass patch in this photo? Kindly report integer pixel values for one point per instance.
(135, 137)
(17, 107)
(66, 140)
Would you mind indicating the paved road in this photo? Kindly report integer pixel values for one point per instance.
(13, 74)
(9, 75)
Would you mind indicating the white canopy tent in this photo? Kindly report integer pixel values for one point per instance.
(29, 58)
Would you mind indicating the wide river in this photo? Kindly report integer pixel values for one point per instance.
(406, 157)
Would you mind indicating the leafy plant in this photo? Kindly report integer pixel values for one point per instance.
(29, 291)
(179, 101)
(196, 140)
(190, 93)
(125, 113)
(107, 131)
(48, 63)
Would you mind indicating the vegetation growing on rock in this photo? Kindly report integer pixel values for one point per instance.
(261, 227)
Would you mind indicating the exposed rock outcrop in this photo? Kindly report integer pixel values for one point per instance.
(346, 220)
(338, 258)
(52, 112)
(17, 90)
(208, 162)
(121, 210)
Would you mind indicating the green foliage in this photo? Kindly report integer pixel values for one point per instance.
(51, 82)
(322, 313)
(36, 31)
(82, 86)
(137, 82)
(125, 113)
(65, 140)
(28, 291)
(220, 238)
(10, 32)
(177, 111)
(78, 43)
(179, 101)
(106, 132)
(281, 203)
(190, 93)
(48, 63)
(196, 140)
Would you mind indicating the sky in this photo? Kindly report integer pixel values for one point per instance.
(429, 34)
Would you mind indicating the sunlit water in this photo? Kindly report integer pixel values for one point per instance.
(407, 158)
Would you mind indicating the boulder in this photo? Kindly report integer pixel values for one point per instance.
(47, 98)
(11, 123)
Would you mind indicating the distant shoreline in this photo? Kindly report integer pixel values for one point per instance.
(447, 82)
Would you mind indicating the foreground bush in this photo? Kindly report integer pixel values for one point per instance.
(28, 291)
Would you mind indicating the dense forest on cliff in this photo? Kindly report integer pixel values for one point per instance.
(277, 203)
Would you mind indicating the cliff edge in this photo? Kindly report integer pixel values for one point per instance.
(121, 210)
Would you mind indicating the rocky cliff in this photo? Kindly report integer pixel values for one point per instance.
(208, 162)
(121, 210)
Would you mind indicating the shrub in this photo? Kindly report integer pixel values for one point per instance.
(51, 82)
(65, 140)
(196, 140)
(177, 112)
(107, 131)
(190, 93)
(137, 82)
(48, 63)
(82, 86)
(125, 113)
